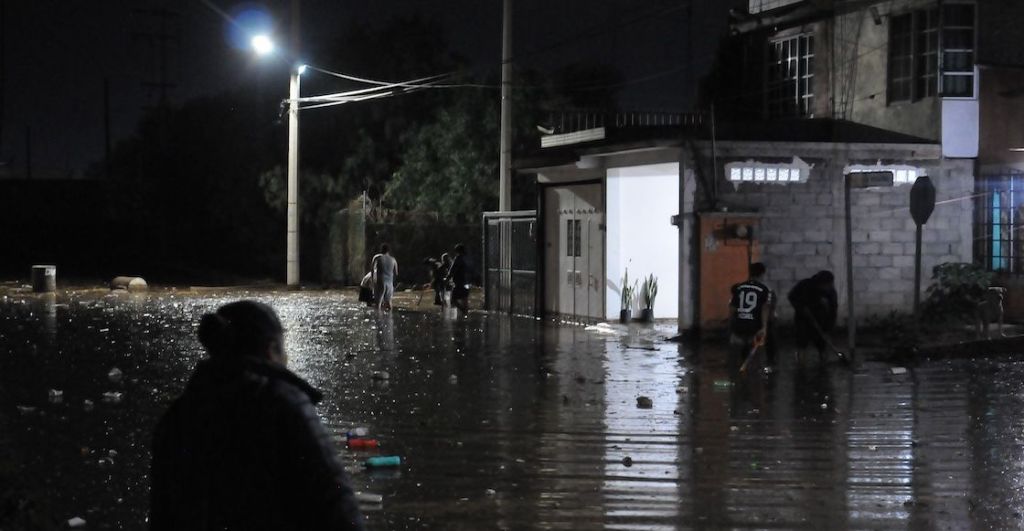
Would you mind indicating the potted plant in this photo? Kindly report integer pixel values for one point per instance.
(649, 291)
(628, 294)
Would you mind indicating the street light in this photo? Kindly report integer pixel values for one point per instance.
(263, 45)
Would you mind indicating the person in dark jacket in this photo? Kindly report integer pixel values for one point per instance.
(460, 275)
(242, 448)
(815, 307)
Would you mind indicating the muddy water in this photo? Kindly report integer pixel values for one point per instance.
(516, 424)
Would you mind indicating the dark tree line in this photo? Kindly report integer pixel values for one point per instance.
(202, 185)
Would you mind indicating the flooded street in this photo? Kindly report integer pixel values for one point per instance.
(519, 424)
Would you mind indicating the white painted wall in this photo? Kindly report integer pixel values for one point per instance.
(960, 128)
(640, 204)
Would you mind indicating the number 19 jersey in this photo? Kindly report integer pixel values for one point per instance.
(748, 300)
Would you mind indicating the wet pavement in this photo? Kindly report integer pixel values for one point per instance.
(510, 423)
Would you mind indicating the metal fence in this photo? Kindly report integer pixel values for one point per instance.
(999, 222)
(510, 262)
(570, 121)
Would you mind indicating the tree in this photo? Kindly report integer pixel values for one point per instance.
(450, 165)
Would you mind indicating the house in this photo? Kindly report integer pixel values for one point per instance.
(813, 105)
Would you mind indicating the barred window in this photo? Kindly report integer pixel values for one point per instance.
(999, 211)
(791, 77)
(901, 58)
(958, 50)
(931, 52)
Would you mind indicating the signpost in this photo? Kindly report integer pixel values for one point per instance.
(922, 204)
(857, 180)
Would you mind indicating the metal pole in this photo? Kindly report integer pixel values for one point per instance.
(106, 127)
(293, 180)
(917, 271)
(504, 162)
(851, 317)
(28, 152)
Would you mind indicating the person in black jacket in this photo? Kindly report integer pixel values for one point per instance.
(460, 275)
(815, 306)
(242, 448)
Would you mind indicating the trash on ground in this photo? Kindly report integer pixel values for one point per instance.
(355, 433)
(115, 375)
(76, 522)
(26, 410)
(112, 397)
(369, 497)
(627, 461)
(490, 492)
(453, 379)
(723, 383)
(899, 370)
(644, 402)
(88, 405)
(381, 375)
(365, 444)
(383, 461)
(56, 396)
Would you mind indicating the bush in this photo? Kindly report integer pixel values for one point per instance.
(955, 292)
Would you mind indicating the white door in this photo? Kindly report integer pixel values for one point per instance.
(575, 251)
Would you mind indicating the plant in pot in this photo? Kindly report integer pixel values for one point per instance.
(649, 291)
(628, 294)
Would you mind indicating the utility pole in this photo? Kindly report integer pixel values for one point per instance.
(3, 70)
(292, 252)
(106, 127)
(28, 152)
(160, 38)
(505, 160)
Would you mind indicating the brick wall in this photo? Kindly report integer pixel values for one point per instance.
(802, 231)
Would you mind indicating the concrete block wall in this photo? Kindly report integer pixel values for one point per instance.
(802, 231)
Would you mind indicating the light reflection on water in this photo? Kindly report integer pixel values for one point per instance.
(542, 415)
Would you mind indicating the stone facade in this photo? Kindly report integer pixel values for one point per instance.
(802, 231)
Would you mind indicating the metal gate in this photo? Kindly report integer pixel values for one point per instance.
(510, 262)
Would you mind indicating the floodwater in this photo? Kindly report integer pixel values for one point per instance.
(518, 424)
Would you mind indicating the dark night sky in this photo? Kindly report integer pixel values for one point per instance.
(58, 53)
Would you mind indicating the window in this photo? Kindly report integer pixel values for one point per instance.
(791, 77)
(926, 53)
(998, 226)
(573, 237)
(901, 58)
(958, 50)
(931, 52)
(900, 174)
(765, 173)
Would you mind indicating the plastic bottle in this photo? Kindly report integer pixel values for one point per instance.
(383, 461)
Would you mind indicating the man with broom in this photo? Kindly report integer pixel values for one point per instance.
(750, 312)
(815, 307)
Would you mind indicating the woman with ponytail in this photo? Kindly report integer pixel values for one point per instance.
(243, 448)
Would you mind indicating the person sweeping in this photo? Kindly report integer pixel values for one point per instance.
(815, 307)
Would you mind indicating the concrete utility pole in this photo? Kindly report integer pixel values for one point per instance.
(505, 160)
(293, 157)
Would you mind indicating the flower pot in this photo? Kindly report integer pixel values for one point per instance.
(647, 315)
(625, 316)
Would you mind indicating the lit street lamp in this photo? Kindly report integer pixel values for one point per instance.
(264, 45)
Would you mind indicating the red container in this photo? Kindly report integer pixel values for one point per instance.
(362, 443)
